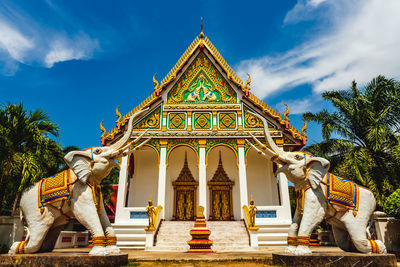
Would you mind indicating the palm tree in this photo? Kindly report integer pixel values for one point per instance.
(27, 152)
(361, 137)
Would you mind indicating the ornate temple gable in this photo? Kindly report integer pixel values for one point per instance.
(203, 97)
(201, 83)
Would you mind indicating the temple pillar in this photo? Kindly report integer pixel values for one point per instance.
(162, 176)
(202, 176)
(121, 195)
(242, 176)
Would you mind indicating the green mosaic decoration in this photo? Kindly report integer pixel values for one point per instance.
(252, 122)
(193, 143)
(231, 142)
(202, 121)
(177, 121)
(154, 143)
(227, 121)
(151, 121)
(201, 83)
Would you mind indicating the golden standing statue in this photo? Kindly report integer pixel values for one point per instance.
(252, 212)
(151, 212)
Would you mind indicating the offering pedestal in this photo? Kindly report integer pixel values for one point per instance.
(200, 242)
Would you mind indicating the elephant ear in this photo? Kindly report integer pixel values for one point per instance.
(79, 162)
(316, 172)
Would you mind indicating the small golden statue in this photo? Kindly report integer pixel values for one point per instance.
(151, 212)
(252, 212)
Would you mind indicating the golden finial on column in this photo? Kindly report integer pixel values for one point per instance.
(304, 129)
(103, 130)
(286, 114)
(201, 35)
(118, 114)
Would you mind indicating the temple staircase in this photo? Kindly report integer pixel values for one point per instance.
(227, 236)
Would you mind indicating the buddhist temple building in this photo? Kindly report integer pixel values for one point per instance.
(198, 120)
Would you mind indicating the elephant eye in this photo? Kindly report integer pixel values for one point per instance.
(97, 151)
(297, 157)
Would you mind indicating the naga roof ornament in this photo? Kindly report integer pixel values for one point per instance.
(286, 114)
(118, 115)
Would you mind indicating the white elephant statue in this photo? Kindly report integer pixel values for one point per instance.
(321, 195)
(50, 203)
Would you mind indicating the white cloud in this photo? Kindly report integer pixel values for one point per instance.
(62, 49)
(13, 42)
(297, 106)
(303, 10)
(363, 43)
(25, 41)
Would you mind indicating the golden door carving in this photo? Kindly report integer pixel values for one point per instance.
(220, 187)
(221, 205)
(185, 187)
(185, 205)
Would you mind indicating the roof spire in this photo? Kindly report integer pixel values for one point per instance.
(201, 35)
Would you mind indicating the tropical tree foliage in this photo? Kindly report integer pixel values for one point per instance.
(361, 136)
(27, 152)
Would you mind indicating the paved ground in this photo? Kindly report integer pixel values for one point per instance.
(261, 253)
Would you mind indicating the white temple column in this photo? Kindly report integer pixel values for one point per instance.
(202, 176)
(121, 195)
(242, 176)
(284, 196)
(162, 176)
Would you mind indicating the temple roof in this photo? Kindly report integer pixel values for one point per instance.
(202, 42)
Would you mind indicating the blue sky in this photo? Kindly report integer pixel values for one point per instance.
(78, 60)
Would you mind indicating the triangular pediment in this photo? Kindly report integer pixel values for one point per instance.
(201, 83)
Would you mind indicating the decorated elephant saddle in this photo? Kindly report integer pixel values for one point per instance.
(54, 188)
(342, 192)
(339, 192)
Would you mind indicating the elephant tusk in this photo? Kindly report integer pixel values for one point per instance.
(139, 137)
(258, 141)
(256, 148)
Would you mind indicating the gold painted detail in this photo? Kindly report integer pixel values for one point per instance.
(201, 121)
(250, 213)
(103, 130)
(172, 143)
(156, 84)
(201, 106)
(201, 83)
(152, 214)
(204, 133)
(286, 114)
(231, 142)
(177, 121)
(151, 121)
(220, 187)
(252, 122)
(304, 129)
(155, 143)
(184, 194)
(118, 114)
(246, 87)
(227, 120)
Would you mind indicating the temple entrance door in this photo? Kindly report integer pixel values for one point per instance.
(185, 187)
(220, 187)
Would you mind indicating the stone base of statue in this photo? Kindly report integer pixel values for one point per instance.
(57, 259)
(200, 233)
(335, 259)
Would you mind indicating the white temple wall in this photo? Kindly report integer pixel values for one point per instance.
(144, 182)
(229, 162)
(176, 158)
(261, 182)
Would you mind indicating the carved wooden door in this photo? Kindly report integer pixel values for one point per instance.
(221, 205)
(185, 205)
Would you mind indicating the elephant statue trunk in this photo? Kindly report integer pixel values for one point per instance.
(75, 192)
(320, 194)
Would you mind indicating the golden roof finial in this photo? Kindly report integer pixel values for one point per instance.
(201, 35)
(304, 129)
(286, 114)
(247, 84)
(156, 84)
(103, 130)
(118, 114)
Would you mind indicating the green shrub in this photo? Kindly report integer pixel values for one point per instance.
(392, 204)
